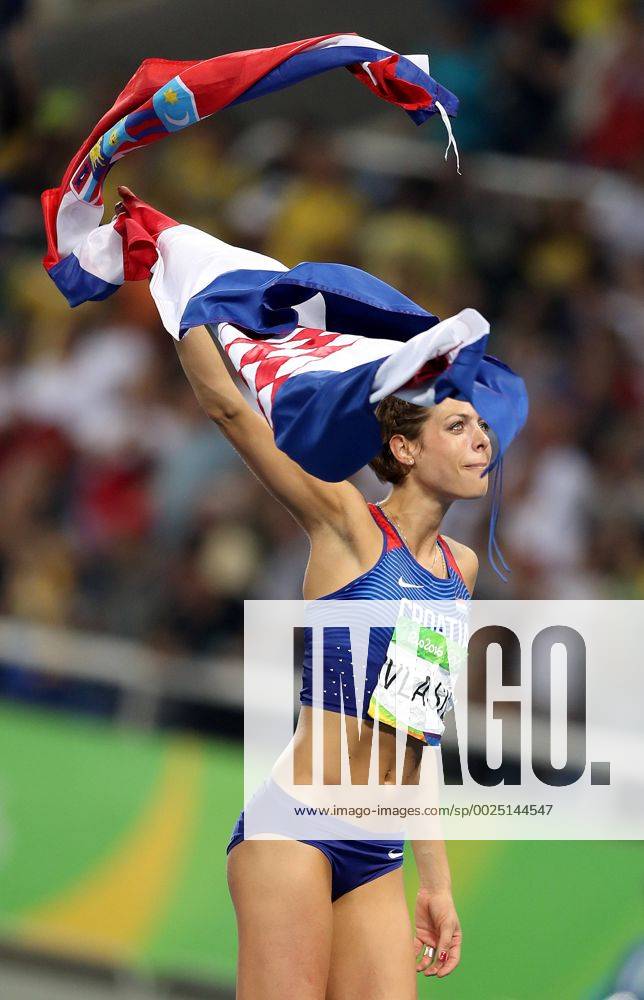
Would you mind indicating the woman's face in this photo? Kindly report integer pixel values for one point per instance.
(451, 451)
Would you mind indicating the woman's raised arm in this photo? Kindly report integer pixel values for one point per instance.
(311, 501)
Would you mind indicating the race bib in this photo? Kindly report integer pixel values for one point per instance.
(416, 682)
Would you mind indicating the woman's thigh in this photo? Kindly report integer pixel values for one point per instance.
(281, 891)
(372, 954)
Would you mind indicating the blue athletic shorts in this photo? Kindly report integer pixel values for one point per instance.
(353, 862)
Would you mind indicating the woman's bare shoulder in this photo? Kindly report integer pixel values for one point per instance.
(466, 560)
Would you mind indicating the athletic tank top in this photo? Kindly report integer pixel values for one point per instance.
(396, 576)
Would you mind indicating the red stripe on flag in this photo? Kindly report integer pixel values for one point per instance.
(139, 225)
(390, 87)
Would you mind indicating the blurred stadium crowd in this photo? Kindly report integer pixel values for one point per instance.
(122, 508)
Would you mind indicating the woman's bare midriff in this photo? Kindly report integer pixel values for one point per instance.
(359, 739)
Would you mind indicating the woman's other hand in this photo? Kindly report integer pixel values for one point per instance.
(437, 926)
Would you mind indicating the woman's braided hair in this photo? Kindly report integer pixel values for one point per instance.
(396, 416)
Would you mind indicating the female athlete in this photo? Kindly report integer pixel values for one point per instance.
(328, 920)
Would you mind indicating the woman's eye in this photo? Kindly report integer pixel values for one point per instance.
(483, 424)
(457, 426)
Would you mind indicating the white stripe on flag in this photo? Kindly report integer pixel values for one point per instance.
(312, 313)
(264, 398)
(350, 42)
(248, 373)
(101, 253)
(422, 61)
(291, 364)
(237, 351)
(447, 337)
(188, 262)
(226, 334)
(367, 68)
(74, 220)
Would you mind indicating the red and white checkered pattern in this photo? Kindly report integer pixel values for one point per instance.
(264, 365)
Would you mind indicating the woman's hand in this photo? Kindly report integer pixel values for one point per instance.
(437, 925)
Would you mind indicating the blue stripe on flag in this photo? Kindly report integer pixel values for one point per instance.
(77, 284)
(409, 71)
(325, 422)
(303, 65)
(357, 303)
(314, 61)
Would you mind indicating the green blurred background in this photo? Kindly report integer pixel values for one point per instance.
(116, 842)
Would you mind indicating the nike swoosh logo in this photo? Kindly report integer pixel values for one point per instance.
(395, 854)
(403, 583)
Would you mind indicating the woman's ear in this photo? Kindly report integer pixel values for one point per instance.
(401, 449)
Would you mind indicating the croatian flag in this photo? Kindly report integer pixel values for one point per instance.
(318, 345)
(83, 257)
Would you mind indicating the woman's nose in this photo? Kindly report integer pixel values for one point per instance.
(481, 440)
